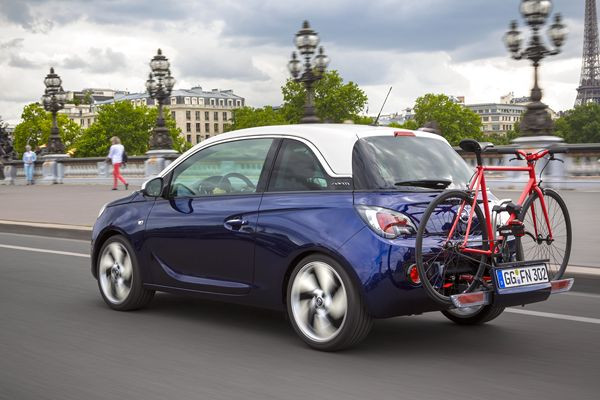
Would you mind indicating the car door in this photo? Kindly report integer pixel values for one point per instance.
(200, 236)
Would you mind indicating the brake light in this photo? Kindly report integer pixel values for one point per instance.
(385, 222)
(403, 133)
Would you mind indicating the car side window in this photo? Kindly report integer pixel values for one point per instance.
(226, 168)
(297, 169)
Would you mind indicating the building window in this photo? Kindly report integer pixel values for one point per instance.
(224, 115)
(173, 114)
(197, 126)
(197, 115)
(206, 115)
(187, 100)
(230, 103)
(221, 102)
(197, 138)
(206, 137)
(238, 103)
(216, 115)
(189, 138)
(173, 100)
(212, 102)
(216, 128)
(207, 127)
(188, 115)
(495, 118)
(485, 118)
(188, 127)
(89, 122)
(194, 100)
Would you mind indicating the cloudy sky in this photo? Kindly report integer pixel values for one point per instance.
(416, 46)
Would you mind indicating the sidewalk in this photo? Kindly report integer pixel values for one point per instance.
(57, 204)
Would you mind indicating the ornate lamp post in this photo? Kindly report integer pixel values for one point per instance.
(54, 100)
(159, 85)
(536, 120)
(307, 41)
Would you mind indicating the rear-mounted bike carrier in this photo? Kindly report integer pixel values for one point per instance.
(534, 294)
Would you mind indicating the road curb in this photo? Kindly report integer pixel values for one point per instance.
(46, 229)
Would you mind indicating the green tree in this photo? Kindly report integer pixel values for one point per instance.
(133, 125)
(410, 124)
(248, 117)
(335, 101)
(580, 125)
(456, 122)
(34, 129)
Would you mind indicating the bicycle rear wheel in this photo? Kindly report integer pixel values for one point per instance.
(536, 244)
(444, 270)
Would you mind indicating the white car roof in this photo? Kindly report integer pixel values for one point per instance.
(332, 143)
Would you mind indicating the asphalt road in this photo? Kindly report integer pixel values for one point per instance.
(59, 341)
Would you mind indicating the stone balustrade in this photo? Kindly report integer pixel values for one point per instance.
(580, 170)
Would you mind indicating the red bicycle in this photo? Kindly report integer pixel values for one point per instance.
(470, 253)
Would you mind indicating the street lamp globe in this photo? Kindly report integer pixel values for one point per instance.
(513, 38)
(558, 31)
(294, 65)
(169, 81)
(321, 61)
(159, 64)
(307, 40)
(535, 12)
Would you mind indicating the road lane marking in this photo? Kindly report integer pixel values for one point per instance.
(553, 315)
(581, 294)
(62, 253)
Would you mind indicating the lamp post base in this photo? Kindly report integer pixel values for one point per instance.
(161, 138)
(157, 161)
(52, 169)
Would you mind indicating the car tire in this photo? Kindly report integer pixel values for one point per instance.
(479, 316)
(325, 306)
(119, 277)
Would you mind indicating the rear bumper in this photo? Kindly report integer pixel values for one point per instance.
(513, 297)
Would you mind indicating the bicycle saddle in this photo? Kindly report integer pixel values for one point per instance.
(473, 146)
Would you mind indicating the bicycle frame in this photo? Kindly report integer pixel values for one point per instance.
(478, 184)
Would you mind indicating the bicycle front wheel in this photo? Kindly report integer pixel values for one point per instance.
(537, 244)
(444, 268)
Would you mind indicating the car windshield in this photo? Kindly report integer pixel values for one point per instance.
(389, 162)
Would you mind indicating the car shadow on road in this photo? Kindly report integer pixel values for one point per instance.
(431, 333)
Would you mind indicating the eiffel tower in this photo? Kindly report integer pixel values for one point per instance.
(589, 84)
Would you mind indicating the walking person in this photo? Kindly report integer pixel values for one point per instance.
(115, 154)
(29, 158)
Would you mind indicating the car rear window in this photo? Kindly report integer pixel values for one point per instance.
(380, 162)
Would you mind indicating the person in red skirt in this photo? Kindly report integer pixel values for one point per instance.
(115, 155)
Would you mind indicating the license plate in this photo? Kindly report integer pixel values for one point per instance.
(521, 276)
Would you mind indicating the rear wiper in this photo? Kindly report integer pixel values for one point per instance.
(428, 183)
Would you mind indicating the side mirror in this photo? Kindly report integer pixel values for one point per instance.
(153, 187)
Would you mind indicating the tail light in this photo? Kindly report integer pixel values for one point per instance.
(385, 222)
(413, 274)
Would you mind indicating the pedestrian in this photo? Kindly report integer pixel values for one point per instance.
(29, 158)
(115, 155)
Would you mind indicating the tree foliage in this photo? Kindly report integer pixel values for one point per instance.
(133, 125)
(248, 117)
(580, 125)
(34, 129)
(335, 101)
(456, 122)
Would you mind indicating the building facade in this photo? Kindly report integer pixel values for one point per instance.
(197, 113)
(500, 118)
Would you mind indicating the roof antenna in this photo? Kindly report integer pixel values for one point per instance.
(375, 123)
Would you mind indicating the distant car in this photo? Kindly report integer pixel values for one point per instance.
(317, 220)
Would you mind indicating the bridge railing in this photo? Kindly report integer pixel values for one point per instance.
(580, 170)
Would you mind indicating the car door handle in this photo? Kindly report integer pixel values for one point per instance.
(235, 223)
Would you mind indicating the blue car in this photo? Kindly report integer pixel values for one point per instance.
(316, 220)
